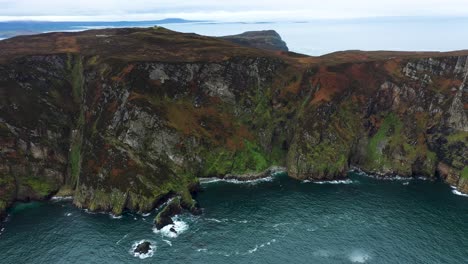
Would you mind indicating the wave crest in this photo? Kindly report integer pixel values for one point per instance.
(179, 226)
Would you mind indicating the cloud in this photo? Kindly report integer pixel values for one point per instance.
(245, 10)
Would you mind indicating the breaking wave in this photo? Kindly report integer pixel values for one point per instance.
(235, 181)
(179, 226)
(457, 192)
(347, 181)
(61, 198)
(113, 216)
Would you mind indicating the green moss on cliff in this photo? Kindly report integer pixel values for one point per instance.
(464, 173)
(7, 191)
(75, 161)
(385, 136)
(39, 186)
(459, 136)
(3, 206)
(32, 185)
(109, 201)
(249, 159)
(322, 145)
(394, 149)
(75, 66)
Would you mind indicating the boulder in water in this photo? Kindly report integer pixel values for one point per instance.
(143, 248)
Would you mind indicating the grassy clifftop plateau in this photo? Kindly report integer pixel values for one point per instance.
(125, 118)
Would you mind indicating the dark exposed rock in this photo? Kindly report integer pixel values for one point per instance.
(164, 217)
(143, 248)
(255, 176)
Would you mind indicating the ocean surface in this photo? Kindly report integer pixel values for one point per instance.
(315, 37)
(276, 220)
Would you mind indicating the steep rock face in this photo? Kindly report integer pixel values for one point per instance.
(152, 129)
(36, 115)
(394, 117)
(128, 128)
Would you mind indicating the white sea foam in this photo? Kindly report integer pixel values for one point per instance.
(61, 198)
(253, 250)
(359, 256)
(457, 192)
(89, 212)
(347, 181)
(120, 240)
(257, 247)
(226, 220)
(406, 183)
(179, 226)
(168, 242)
(214, 220)
(145, 215)
(140, 255)
(113, 216)
(202, 249)
(234, 181)
(388, 178)
(392, 178)
(68, 214)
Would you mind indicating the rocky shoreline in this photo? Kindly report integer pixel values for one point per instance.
(172, 206)
(255, 176)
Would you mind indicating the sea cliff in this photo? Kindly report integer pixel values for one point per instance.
(123, 119)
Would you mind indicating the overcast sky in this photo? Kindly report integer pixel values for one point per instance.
(227, 10)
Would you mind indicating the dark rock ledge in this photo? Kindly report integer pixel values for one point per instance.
(255, 176)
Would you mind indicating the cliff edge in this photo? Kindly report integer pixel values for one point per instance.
(265, 39)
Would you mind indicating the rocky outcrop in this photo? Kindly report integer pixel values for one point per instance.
(274, 170)
(125, 128)
(143, 248)
(265, 39)
(164, 217)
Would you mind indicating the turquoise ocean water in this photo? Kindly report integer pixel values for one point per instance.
(279, 220)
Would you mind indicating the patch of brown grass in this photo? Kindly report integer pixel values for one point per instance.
(330, 84)
(66, 44)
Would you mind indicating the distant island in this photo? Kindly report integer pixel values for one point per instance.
(15, 28)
